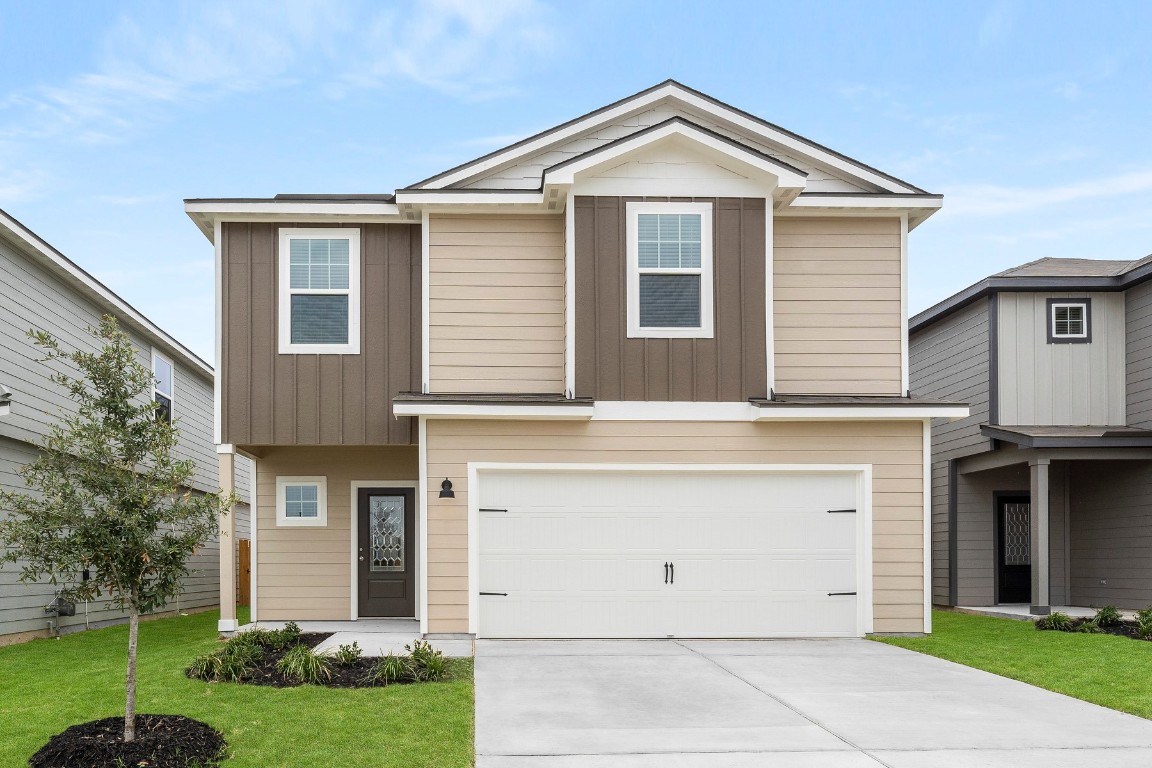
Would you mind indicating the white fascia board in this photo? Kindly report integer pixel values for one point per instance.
(469, 197)
(101, 293)
(786, 178)
(293, 208)
(631, 410)
(902, 203)
(860, 413)
(496, 411)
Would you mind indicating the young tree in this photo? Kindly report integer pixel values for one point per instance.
(106, 493)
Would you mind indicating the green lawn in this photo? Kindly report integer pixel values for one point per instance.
(47, 685)
(1104, 669)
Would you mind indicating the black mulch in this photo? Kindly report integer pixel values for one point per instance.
(1124, 629)
(350, 676)
(162, 741)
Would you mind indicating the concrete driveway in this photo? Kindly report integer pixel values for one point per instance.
(769, 704)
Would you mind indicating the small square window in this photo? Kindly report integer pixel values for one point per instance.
(301, 501)
(1069, 321)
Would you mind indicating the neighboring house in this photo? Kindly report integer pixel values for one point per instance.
(1042, 495)
(641, 375)
(42, 289)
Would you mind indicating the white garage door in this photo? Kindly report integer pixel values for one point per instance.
(667, 554)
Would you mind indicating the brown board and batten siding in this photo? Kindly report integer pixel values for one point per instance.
(269, 398)
(837, 306)
(730, 367)
(894, 449)
(496, 304)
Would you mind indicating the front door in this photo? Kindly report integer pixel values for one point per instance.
(1014, 555)
(385, 549)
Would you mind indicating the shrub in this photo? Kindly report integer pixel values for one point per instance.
(279, 639)
(301, 664)
(391, 669)
(1091, 627)
(1056, 620)
(1108, 616)
(231, 663)
(347, 655)
(428, 664)
(1144, 623)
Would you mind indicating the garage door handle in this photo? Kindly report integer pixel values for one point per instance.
(665, 573)
(672, 569)
(833, 594)
(499, 594)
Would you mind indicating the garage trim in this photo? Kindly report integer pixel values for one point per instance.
(863, 472)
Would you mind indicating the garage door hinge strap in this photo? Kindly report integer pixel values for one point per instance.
(499, 594)
(490, 509)
(830, 594)
(841, 511)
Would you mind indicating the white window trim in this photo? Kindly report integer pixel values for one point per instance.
(156, 390)
(321, 519)
(1062, 304)
(285, 291)
(707, 314)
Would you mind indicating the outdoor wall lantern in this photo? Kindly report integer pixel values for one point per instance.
(5, 401)
(446, 491)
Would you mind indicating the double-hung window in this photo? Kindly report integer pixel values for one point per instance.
(670, 270)
(319, 291)
(1069, 321)
(301, 501)
(163, 391)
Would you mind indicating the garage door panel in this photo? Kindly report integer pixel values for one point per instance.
(583, 554)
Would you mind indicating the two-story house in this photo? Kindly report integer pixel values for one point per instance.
(44, 290)
(644, 374)
(1041, 496)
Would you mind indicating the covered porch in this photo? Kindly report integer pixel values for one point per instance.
(1053, 518)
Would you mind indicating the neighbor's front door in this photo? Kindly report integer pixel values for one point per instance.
(386, 548)
(1014, 558)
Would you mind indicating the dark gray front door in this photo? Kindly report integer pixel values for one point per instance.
(387, 546)
(1014, 555)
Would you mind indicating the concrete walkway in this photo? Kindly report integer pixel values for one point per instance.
(770, 704)
(376, 637)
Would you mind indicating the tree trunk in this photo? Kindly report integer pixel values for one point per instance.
(130, 681)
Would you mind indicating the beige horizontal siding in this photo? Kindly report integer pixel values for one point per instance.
(496, 303)
(837, 308)
(304, 573)
(893, 449)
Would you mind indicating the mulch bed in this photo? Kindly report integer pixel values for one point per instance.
(162, 741)
(351, 676)
(1124, 629)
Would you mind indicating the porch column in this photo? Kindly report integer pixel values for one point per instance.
(227, 544)
(1041, 594)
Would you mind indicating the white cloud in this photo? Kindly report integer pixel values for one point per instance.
(166, 56)
(988, 199)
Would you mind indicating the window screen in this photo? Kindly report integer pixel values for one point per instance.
(669, 301)
(319, 318)
(668, 256)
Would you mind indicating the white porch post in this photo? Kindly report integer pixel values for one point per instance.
(1041, 594)
(227, 546)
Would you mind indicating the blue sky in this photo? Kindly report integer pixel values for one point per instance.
(1032, 118)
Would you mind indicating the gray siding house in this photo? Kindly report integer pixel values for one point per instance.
(1043, 494)
(42, 289)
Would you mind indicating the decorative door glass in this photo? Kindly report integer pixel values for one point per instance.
(1017, 534)
(386, 532)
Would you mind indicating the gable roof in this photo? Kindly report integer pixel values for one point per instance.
(785, 140)
(1046, 274)
(36, 248)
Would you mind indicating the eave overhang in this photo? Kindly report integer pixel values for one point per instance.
(1084, 437)
(206, 212)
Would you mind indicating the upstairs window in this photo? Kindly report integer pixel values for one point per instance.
(319, 291)
(163, 392)
(1069, 321)
(670, 270)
